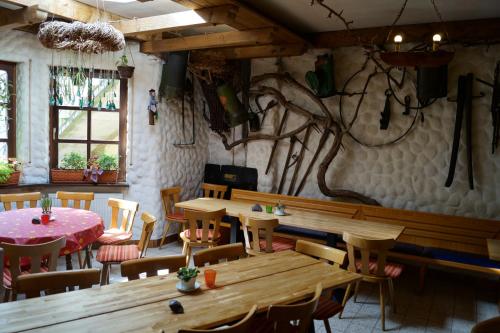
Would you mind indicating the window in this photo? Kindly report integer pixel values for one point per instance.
(88, 114)
(7, 110)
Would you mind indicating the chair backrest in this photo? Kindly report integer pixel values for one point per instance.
(57, 282)
(243, 326)
(207, 219)
(212, 256)
(376, 248)
(77, 198)
(169, 197)
(487, 326)
(301, 314)
(132, 268)
(334, 256)
(36, 252)
(128, 208)
(213, 190)
(20, 199)
(147, 230)
(256, 227)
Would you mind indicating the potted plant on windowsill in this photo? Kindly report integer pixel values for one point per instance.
(71, 169)
(102, 169)
(10, 172)
(124, 70)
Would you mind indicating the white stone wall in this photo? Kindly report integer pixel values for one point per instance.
(152, 161)
(410, 174)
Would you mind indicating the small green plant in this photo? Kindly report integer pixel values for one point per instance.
(185, 274)
(108, 162)
(122, 61)
(73, 161)
(46, 204)
(5, 171)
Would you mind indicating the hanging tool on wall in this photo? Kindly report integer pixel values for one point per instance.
(275, 143)
(385, 116)
(287, 166)
(300, 158)
(495, 106)
(321, 81)
(407, 110)
(464, 107)
(190, 89)
(215, 108)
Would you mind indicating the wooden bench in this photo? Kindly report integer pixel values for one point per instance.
(428, 238)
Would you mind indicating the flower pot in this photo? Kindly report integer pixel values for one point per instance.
(125, 72)
(67, 176)
(188, 285)
(108, 177)
(13, 179)
(45, 218)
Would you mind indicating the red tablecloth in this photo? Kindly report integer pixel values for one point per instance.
(80, 227)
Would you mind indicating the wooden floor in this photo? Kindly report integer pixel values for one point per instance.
(450, 303)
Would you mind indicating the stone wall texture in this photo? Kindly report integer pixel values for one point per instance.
(410, 174)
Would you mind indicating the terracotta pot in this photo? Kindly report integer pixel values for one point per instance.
(13, 179)
(108, 177)
(67, 176)
(125, 72)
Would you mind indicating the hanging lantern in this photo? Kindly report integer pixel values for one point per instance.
(235, 113)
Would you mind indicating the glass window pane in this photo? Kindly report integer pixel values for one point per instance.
(105, 126)
(72, 88)
(106, 93)
(4, 87)
(3, 122)
(100, 149)
(73, 124)
(66, 148)
(3, 152)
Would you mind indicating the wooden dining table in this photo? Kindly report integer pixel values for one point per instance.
(307, 219)
(142, 305)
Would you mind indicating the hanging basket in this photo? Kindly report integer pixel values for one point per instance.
(125, 72)
(417, 59)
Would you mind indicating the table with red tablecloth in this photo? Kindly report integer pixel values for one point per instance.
(80, 227)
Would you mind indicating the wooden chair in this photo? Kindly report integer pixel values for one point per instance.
(204, 237)
(327, 308)
(43, 259)
(78, 198)
(253, 229)
(213, 190)
(20, 199)
(487, 326)
(116, 254)
(243, 326)
(373, 267)
(169, 197)
(212, 256)
(295, 318)
(119, 231)
(133, 268)
(56, 282)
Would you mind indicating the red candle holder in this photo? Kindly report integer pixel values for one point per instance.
(45, 218)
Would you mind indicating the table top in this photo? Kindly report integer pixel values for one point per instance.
(494, 249)
(80, 227)
(142, 305)
(314, 220)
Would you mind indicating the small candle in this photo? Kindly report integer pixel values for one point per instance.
(398, 39)
(436, 39)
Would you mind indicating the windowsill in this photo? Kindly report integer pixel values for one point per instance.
(102, 188)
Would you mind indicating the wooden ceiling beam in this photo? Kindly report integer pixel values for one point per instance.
(463, 31)
(252, 52)
(208, 41)
(178, 21)
(17, 18)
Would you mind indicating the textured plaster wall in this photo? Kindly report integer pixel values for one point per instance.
(152, 160)
(410, 174)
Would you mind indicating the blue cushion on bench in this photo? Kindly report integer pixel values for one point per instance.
(461, 257)
(406, 248)
(301, 232)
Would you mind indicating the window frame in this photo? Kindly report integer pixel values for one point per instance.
(122, 129)
(10, 68)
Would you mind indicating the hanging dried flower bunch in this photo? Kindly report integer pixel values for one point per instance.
(97, 37)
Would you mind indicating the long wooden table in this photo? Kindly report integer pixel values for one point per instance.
(307, 219)
(142, 305)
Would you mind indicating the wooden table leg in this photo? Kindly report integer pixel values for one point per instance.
(87, 256)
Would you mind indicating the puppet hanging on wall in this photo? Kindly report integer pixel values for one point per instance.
(152, 107)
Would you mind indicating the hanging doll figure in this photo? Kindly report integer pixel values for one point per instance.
(152, 107)
(93, 170)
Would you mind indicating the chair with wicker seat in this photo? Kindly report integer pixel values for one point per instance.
(43, 259)
(116, 254)
(119, 231)
(373, 267)
(19, 199)
(169, 197)
(214, 255)
(132, 269)
(327, 307)
(295, 318)
(253, 229)
(56, 282)
(206, 236)
(243, 326)
(213, 190)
